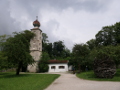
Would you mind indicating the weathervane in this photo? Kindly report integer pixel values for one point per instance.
(36, 17)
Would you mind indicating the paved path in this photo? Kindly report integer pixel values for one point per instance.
(71, 82)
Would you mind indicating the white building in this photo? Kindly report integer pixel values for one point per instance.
(35, 46)
(58, 66)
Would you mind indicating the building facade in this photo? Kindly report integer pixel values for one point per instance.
(35, 46)
(58, 66)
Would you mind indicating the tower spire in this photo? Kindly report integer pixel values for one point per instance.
(36, 23)
(36, 17)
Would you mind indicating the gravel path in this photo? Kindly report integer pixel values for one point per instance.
(71, 82)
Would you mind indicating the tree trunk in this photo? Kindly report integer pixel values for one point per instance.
(19, 67)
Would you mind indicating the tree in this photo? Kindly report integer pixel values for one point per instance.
(58, 48)
(17, 49)
(3, 59)
(49, 49)
(104, 66)
(79, 55)
(44, 38)
(109, 35)
(116, 54)
(117, 32)
(91, 44)
(105, 36)
(66, 53)
(90, 58)
(3, 39)
(43, 62)
(44, 42)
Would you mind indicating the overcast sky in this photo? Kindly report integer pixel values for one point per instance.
(72, 21)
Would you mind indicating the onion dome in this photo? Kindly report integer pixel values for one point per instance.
(36, 23)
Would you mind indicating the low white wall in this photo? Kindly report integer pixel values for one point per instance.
(57, 67)
(70, 67)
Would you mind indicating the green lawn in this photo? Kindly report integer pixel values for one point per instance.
(9, 81)
(90, 76)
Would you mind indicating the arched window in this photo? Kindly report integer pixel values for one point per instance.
(52, 67)
(61, 67)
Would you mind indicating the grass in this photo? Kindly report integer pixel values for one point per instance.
(90, 76)
(9, 81)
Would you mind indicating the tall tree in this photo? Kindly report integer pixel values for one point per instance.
(117, 32)
(3, 58)
(17, 49)
(105, 36)
(49, 49)
(91, 44)
(79, 55)
(3, 39)
(44, 42)
(109, 35)
(43, 62)
(3, 61)
(58, 49)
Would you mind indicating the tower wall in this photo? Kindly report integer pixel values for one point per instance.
(35, 49)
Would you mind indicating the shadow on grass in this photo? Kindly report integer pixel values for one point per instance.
(3, 73)
(12, 75)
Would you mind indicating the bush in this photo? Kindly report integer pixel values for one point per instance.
(43, 62)
(43, 67)
(104, 66)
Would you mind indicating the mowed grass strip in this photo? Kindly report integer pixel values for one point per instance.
(9, 81)
(90, 76)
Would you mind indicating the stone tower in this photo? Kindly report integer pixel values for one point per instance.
(35, 46)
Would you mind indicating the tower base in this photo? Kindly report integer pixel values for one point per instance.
(33, 67)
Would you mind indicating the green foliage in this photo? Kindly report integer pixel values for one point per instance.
(117, 32)
(43, 67)
(17, 49)
(56, 50)
(45, 43)
(44, 38)
(43, 63)
(4, 64)
(106, 43)
(91, 44)
(116, 55)
(65, 55)
(113, 52)
(109, 35)
(47, 47)
(79, 56)
(3, 61)
(91, 56)
(45, 57)
(9, 81)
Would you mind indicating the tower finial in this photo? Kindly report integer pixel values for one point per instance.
(36, 17)
(36, 23)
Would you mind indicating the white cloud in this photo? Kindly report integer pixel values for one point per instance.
(74, 21)
(78, 26)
